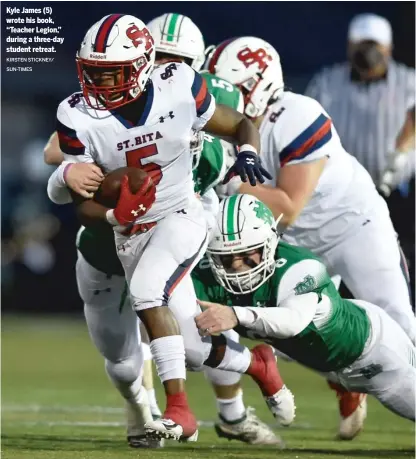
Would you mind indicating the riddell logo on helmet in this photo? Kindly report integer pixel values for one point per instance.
(232, 244)
(98, 56)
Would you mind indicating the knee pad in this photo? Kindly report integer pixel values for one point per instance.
(125, 371)
(221, 377)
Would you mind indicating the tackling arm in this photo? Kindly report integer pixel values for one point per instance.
(232, 126)
(292, 316)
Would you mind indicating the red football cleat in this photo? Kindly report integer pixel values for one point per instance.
(352, 409)
(178, 421)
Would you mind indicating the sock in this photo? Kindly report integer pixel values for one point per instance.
(169, 357)
(138, 413)
(151, 394)
(232, 409)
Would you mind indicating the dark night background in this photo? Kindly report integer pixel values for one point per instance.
(38, 252)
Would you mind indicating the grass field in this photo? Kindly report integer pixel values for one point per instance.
(58, 404)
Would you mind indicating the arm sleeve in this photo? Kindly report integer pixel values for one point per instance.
(73, 143)
(211, 205)
(202, 100)
(293, 315)
(304, 133)
(57, 190)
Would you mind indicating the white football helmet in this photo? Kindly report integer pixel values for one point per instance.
(177, 35)
(252, 64)
(243, 224)
(120, 47)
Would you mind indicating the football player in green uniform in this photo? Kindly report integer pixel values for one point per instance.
(281, 294)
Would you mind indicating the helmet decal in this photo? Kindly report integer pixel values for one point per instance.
(104, 32)
(249, 57)
(245, 227)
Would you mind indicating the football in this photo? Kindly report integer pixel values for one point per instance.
(109, 190)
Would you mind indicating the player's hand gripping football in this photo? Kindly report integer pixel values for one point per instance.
(83, 178)
(131, 206)
(248, 164)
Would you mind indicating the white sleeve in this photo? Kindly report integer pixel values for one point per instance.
(304, 132)
(73, 142)
(57, 190)
(203, 103)
(211, 205)
(293, 315)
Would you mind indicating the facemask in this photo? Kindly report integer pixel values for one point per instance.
(367, 57)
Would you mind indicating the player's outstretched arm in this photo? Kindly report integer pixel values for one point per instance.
(292, 316)
(234, 127)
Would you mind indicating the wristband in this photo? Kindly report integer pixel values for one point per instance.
(109, 215)
(66, 169)
(247, 147)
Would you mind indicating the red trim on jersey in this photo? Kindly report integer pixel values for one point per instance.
(202, 94)
(69, 141)
(316, 137)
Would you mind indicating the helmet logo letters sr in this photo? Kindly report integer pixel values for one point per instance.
(249, 57)
(138, 36)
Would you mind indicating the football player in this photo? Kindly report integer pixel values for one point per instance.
(329, 202)
(355, 343)
(178, 39)
(143, 121)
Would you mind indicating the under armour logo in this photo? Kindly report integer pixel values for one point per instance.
(142, 208)
(250, 161)
(163, 118)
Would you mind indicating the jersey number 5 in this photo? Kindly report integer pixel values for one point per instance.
(134, 159)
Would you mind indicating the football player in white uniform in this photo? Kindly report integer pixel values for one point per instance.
(160, 231)
(178, 39)
(329, 202)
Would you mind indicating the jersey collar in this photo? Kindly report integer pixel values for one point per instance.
(147, 107)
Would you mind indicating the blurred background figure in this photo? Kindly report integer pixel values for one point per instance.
(371, 100)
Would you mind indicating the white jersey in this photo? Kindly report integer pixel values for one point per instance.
(177, 102)
(297, 130)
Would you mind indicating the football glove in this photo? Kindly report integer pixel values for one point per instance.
(248, 164)
(131, 206)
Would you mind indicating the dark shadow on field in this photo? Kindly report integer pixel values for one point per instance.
(30, 442)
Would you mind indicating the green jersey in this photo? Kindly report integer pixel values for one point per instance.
(336, 336)
(224, 92)
(98, 247)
